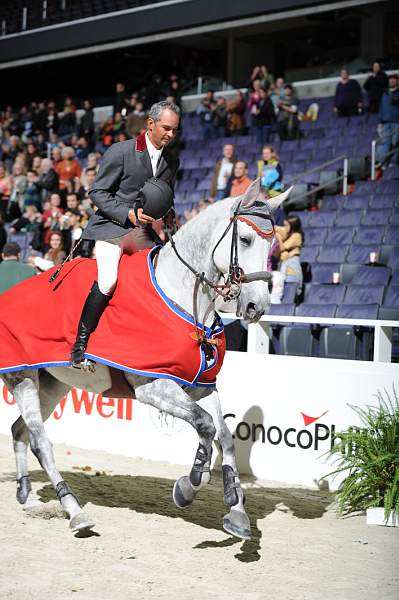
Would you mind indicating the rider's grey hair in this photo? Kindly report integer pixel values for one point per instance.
(157, 109)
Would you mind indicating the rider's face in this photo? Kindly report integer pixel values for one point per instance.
(163, 131)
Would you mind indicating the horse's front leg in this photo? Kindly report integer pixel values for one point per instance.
(236, 521)
(24, 386)
(167, 396)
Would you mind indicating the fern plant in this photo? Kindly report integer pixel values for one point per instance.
(369, 456)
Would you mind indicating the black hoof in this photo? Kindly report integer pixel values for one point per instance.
(183, 493)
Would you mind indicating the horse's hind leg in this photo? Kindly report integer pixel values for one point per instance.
(169, 397)
(236, 521)
(24, 386)
(50, 391)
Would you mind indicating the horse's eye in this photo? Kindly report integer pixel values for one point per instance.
(245, 241)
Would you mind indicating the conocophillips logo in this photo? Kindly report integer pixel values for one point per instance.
(312, 437)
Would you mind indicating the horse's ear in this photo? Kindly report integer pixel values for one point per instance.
(251, 194)
(277, 201)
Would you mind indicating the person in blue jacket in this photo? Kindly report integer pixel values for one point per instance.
(388, 127)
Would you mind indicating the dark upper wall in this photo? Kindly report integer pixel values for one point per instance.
(155, 20)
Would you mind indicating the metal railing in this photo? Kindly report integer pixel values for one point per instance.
(374, 155)
(343, 177)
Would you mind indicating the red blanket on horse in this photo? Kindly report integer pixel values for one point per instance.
(141, 331)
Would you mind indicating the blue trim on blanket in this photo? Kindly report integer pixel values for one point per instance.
(35, 366)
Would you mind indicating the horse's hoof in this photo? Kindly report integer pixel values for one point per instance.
(32, 503)
(80, 523)
(236, 522)
(183, 492)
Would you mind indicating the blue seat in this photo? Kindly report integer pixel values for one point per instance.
(332, 254)
(348, 218)
(383, 201)
(377, 217)
(325, 294)
(364, 294)
(391, 235)
(282, 309)
(391, 299)
(315, 236)
(322, 219)
(323, 273)
(339, 235)
(289, 293)
(331, 203)
(393, 261)
(357, 311)
(395, 277)
(316, 310)
(309, 254)
(361, 254)
(355, 202)
(372, 275)
(370, 236)
(395, 218)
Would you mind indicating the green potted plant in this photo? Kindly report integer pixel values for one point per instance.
(368, 458)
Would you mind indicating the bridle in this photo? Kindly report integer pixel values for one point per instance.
(230, 290)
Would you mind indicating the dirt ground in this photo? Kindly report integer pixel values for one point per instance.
(144, 547)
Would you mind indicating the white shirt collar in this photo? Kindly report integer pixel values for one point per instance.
(154, 153)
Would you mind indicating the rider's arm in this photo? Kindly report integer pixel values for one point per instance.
(105, 185)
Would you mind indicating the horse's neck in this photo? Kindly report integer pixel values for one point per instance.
(194, 244)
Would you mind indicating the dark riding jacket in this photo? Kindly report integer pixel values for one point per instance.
(125, 167)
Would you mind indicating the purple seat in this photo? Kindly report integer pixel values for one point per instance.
(339, 235)
(332, 254)
(316, 310)
(282, 309)
(355, 311)
(325, 294)
(315, 236)
(309, 254)
(366, 275)
(376, 217)
(304, 217)
(383, 201)
(204, 185)
(364, 294)
(289, 293)
(391, 299)
(323, 273)
(361, 253)
(322, 219)
(395, 218)
(391, 235)
(395, 277)
(207, 162)
(348, 218)
(355, 202)
(369, 236)
(393, 261)
(331, 203)
(389, 187)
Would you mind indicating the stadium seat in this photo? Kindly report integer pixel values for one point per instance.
(338, 235)
(322, 219)
(282, 309)
(361, 254)
(323, 273)
(391, 235)
(332, 254)
(391, 298)
(303, 340)
(369, 235)
(325, 294)
(309, 253)
(355, 202)
(393, 260)
(383, 201)
(364, 294)
(371, 275)
(348, 218)
(377, 217)
(356, 311)
(316, 236)
(289, 293)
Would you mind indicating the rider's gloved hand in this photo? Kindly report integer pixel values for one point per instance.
(140, 219)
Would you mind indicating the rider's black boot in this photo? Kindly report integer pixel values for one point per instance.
(94, 307)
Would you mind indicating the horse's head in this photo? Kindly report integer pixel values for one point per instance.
(255, 236)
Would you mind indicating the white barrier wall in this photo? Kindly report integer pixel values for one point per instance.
(283, 411)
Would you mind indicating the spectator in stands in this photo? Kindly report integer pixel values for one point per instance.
(239, 183)
(70, 226)
(86, 180)
(3, 235)
(222, 172)
(67, 169)
(219, 120)
(67, 125)
(19, 183)
(10, 151)
(12, 271)
(52, 120)
(287, 118)
(270, 171)
(263, 117)
(72, 202)
(92, 162)
(54, 256)
(277, 92)
(389, 123)
(254, 98)
(86, 127)
(262, 74)
(290, 238)
(32, 195)
(236, 114)
(56, 156)
(375, 85)
(51, 217)
(204, 111)
(48, 179)
(348, 100)
(5, 190)
(120, 101)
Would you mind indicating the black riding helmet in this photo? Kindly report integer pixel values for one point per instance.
(155, 198)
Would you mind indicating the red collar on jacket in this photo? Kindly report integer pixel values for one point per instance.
(141, 145)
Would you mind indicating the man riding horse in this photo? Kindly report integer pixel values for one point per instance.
(133, 188)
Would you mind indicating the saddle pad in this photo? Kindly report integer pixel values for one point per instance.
(141, 331)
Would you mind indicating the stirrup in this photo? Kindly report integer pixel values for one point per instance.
(86, 365)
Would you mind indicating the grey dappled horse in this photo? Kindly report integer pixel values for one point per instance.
(37, 392)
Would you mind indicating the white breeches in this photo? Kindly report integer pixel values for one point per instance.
(108, 255)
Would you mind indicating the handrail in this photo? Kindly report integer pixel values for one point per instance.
(327, 163)
(374, 157)
(318, 168)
